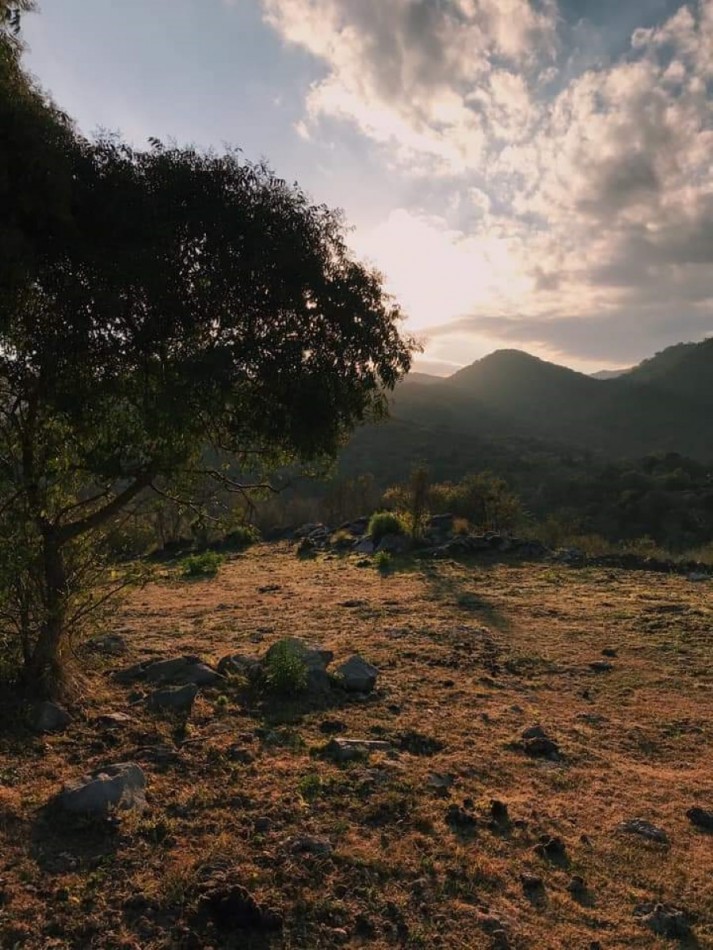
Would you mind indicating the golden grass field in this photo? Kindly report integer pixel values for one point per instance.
(470, 655)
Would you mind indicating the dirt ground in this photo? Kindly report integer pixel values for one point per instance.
(470, 655)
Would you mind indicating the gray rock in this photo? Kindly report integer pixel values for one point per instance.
(115, 720)
(121, 786)
(664, 920)
(347, 750)
(393, 544)
(181, 671)
(643, 828)
(111, 643)
(309, 844)
(357, 675)
(314, 657)
(364, 546)
(49, 717)
(601, 666)
(176, 699)
(238, 663)
(701, 817)
(535, 741)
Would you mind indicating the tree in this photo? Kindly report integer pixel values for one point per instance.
(186, 307)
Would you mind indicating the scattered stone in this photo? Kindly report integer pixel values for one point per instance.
(609, 651)
(535, 741)
(121, 786)
(531, 882)
(112, 644)
(393, 544)
(441, 781)
(352, 603)
(238, 663)
(178, 699)
(418, 744)
(700, 817)
(347, 750)
(364, 546)
(115, 720)
(577, 886)
(357, 675)
(262, 824)
(643, 828)
(236, 753)
(49, 717)
(178, 671)
(698, 576)
(459, 818)
(309, 844)
(601, 666)
(499, 812)
(552, 848)
(161, 754)
(663, 919)
(233, 907)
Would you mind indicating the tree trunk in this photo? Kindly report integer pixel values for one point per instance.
(43, 670)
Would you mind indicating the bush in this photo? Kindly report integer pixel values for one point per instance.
(382, 560)
(384, 522)
(205, 564)
(242, 536)
(284, 671)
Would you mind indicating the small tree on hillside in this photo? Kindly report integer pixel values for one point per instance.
(189, 307)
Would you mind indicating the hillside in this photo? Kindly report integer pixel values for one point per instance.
(456, 833)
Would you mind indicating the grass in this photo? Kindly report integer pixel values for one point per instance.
(205, 564)
(470, 654)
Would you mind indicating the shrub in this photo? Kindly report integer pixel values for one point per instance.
(382, 560)
(205, 564)
(242, 536)
(284, 671)
(382, 523)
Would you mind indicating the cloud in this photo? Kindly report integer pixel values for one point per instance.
(570, 209)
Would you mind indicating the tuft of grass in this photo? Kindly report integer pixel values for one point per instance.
(383, 562)
(382, 523)
(205, 564)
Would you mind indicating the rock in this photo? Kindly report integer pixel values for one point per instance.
(499, 812)
(121, 786)
(535, 741)
(531, 882)
(601, 666)
(364, 546)
(416, 743)
(309, 844)
(459, 818)
(314, 657)
(177, 671)
(441, 781)
(700, 817)
(233, 907)
(442, 522)
(262, 825)
(577, 886)
(346, 750)
(609, 651)
(698, 576)
(181, 671)
(357, 675)
(552, 848)
(332, 727)
(238, 663)
(49, 717)
(177, 699)
(115, 720)
(664, 920)
(111, 644)
(643, 828)
(393, 544)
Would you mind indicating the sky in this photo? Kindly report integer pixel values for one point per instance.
(530, 174)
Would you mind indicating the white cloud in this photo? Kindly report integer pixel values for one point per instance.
(587, 204)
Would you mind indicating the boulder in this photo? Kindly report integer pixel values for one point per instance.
(49, 717)
(700, 817)
(238, 663)
(176, 671)
(347, 750)
(177, 699)
(393, 544)
(114, 720)
(664, 920)
(309, 844)
(112, 644)
(357, 675)
(535, 741)
(645, 829)
(121, 786)
(364, 546)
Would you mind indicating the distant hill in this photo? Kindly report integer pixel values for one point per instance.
(608, 373)
(662, 405)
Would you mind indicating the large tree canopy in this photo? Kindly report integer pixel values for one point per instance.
(154, 304)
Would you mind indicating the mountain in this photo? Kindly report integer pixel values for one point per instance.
(662, 405)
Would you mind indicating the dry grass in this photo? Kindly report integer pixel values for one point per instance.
(470, 655)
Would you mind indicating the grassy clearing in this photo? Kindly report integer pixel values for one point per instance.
(470, 655)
